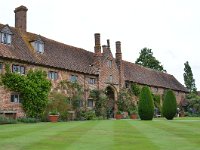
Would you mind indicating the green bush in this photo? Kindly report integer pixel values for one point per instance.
(146, 107)
(57, 102)
(87, 115)
(5, 120)
(28, 120)
(169, 108)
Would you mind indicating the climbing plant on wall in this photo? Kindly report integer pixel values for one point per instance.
(33, 87)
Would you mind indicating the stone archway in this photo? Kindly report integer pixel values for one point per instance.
(111, 94)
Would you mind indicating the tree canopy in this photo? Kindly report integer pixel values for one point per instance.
(188, 78)
(147, 59)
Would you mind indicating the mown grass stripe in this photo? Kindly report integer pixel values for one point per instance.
(188, 130)
(164, 138)
(128, 137)
(100, 137)
(36, 133)
(64, 138)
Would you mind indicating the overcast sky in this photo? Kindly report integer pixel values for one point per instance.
(171, 28)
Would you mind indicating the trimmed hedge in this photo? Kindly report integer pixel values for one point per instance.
(169, 108)
(146, 106)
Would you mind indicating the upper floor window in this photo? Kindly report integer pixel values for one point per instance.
(53, 75)
(109, 63)
(15, 98)
(73, 78)
(18, 69)
(5, 38)
(91, 81)
(38, 45)
(6, 35)
(110, 78)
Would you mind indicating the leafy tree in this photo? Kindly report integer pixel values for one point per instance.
(188, 78)
(34, 89)
(147, 59)
(146, 106)
(169, 107)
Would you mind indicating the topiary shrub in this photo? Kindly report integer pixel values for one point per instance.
(169, 107)
(146, 107)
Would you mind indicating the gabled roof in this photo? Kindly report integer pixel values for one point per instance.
(146, 76)
(64, 56)
(55, 54)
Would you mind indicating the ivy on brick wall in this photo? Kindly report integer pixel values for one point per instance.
(33, 87)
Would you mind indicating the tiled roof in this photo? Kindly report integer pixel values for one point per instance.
(146, 76)
(63, 56)
(55, 54)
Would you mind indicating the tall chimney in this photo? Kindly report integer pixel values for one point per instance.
(20, 17)
(120, 64)
(97, 47)
(118, 51)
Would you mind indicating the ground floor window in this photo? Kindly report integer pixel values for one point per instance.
(90, 103)
(15, 98)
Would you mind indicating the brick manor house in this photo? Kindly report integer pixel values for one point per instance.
(93, 70)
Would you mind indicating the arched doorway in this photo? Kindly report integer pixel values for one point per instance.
(111, 102)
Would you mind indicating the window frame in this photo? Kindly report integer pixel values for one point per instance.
(92, 81)
(73, 78)
(53, 75)
(20, 70)
(15, 98)
(90, 105)
(39, 47)
(6, 38)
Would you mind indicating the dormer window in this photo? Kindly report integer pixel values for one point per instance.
(6, 35)
(38, 45)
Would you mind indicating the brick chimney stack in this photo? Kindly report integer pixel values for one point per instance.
(97, 50)
(20, 17)
(120, 64)
(97, 47)
(118, 51)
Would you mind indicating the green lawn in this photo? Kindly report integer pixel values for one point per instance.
(159, 134)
